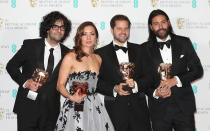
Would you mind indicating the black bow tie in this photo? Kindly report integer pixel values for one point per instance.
(116, 47)
(167, 43)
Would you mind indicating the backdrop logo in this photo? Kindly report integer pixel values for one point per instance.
(195, 46)
(13, 3)
(103, 25)
(154, 3)
(94, 3)
(1, 23)
(33, 3)
(1, 113)
(14, 93)
(180, 23)
(1, 69)
(195, 89)
(209, 5)
(194, 3)
(209, 43)
(75, 3)
(14, 48)
(135, 3)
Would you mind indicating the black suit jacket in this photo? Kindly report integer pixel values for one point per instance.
(30, 57)
(185, 64)
(109, 76)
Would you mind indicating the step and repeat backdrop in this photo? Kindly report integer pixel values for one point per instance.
(20, 19)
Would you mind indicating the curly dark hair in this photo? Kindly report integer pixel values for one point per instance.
(154, 13)
(78, 41)
(119, 17)
(50, 19)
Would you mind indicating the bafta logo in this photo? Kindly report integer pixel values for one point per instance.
(180, 23)
(127, 72)
(94, 3)
(209, 43)
(33, 3)
(1, 23)
(209, 85)
(154, 3)
(1, 69)
(1, 113)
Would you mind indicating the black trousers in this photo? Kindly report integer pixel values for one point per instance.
(175, 119)
(38, 118)
(128, 117)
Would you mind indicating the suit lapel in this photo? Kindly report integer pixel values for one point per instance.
(63, 52)
(56, 69)
(113, 55)
(40, 54)
(155, 53)
(175, 49)
(131, 53)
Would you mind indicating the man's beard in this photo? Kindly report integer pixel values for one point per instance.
(162, 36)
(120, 40)
(54, 38)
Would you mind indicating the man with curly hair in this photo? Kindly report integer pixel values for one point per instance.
(37, 106)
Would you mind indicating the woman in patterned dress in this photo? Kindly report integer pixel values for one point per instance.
(82, 65)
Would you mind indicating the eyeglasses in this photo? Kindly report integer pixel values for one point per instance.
(56, 27)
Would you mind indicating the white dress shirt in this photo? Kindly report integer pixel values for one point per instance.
(123, 57)
(166, 55)
(57, 56)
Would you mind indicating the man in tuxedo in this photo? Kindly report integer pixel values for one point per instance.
(38, 108)
(173, 105)
(127, 109)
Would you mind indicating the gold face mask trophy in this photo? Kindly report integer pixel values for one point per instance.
(127, 72)
(164, 70)
(83, 86)
(39, 76)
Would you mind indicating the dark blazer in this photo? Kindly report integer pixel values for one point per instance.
(28, 58)
(119, 107)
(185, 64)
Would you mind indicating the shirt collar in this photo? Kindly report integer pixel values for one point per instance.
(159, 40)
(49, 46)
(124, 45)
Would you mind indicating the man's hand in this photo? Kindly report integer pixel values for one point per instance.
(162, 91)
(130, 83)
(120, 91)
(32, 85)
(169, 82)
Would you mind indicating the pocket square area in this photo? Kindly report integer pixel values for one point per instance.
(181, 56)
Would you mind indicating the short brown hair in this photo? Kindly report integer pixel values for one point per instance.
(119, 17)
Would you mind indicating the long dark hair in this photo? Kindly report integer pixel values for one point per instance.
(50, 19)
(78, 41)
(154, 13)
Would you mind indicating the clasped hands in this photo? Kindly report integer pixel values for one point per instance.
(119, 88)
(164, 89)
(77, 97)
